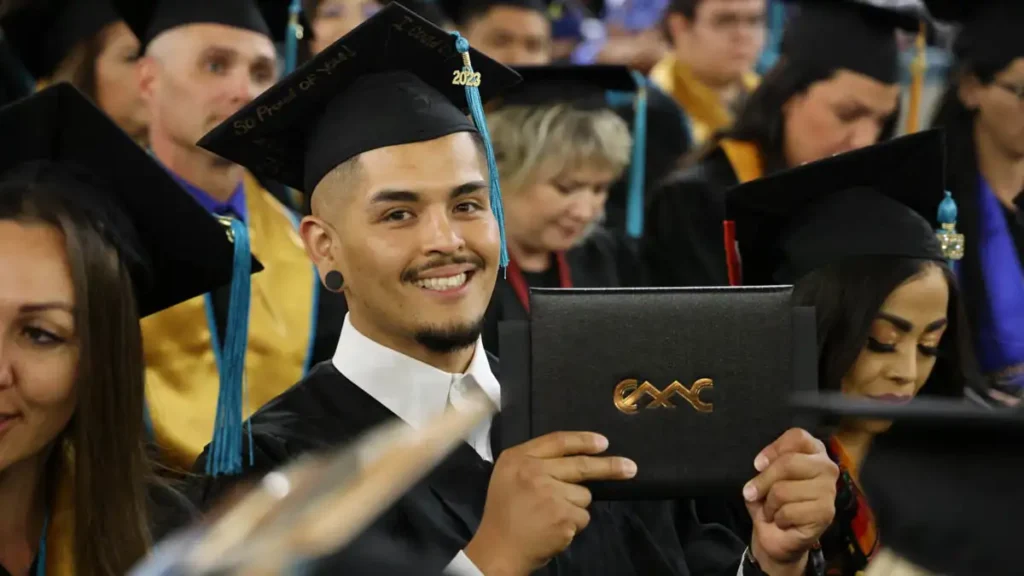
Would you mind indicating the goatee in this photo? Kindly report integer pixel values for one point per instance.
(447, 339)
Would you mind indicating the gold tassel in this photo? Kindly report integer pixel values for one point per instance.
(917, 70)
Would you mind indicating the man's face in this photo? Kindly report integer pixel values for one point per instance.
(512, 36)
(196, 76)
(723, 40)
(414, 237)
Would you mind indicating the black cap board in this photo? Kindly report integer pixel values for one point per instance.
(387, 82)
(942, 453)
(150, 18)
(175, 249)
(43, 33)
(462, 11)
(990, 37)
(876, 201)
(581, 86)
(848, 34)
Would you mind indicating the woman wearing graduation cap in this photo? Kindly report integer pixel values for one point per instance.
(559, 148)
(983, 114)
(84, 257)
(834, 89)
(854, 233)
(86, 43)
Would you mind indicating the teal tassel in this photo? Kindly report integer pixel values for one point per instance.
(951, 241)
(291, 47)
(225, 455)
(476, 109)
(635, 198)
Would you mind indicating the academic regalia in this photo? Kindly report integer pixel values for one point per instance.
(404, 94)
(687, 240)
(879, 201)
(938, 452)
(58, 130)
(183, 350)
(14, 80)
(992, 273)
(44, 33)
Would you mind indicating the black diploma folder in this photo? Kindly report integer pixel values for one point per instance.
(690, 383)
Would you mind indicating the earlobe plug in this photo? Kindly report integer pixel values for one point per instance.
(334, 281)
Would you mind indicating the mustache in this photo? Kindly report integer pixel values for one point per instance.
(413, 274)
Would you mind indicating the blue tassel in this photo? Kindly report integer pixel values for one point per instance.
(225, 455)
(476, 109)
(635, 198)
(951, 241)
(948, 210)
(291, 47)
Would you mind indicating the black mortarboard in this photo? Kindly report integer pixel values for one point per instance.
(387, 82)
(150, 18)
(462, 11)
(990, 36)
(394, 79)
(43, 33)
(876, 201)
(849, 34)
(942, 453)
(170, 259)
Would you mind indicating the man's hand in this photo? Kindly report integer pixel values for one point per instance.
(535, 506)
(791, 501)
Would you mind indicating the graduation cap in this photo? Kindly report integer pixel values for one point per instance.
(395, 79)
(462, 11)
(938, 452)
(150, 18)
(44, 32)
(990, 35)
(175, 250)
(876, 201)
(594, 87)
(850, 34)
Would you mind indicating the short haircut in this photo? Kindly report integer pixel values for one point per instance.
(687, 8)
(532, 143)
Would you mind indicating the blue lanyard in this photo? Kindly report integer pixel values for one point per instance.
(41, 558)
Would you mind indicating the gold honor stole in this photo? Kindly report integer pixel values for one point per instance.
(747, 164)
(703, 106)
(182, 380)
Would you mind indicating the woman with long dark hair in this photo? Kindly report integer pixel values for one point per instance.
(855, 236)
(85, 43)
(982, 112)
(86, 249)
(834, 89)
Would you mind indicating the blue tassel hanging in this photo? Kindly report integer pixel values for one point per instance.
(951, 241)
(295, 33)
(476, 109)
(635, 198)
(225, 455)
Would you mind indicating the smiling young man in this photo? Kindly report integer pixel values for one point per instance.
(406, 221)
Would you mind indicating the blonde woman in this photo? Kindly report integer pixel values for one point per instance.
(559, 149)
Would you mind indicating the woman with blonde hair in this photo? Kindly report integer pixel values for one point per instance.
(559, 148)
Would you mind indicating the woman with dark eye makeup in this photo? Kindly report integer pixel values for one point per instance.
(84, 255)
(855, 235)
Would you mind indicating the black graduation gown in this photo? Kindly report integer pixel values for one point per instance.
(438, 517)
(668, 140)
(606, 259)
(683, 243)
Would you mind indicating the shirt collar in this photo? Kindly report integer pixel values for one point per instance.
(414, 391)
(235, 205)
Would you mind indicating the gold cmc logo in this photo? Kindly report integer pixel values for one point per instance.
(629, 392)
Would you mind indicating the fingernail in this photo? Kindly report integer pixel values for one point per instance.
(750, 492)
(760, 463)
(600, 442)
(628, 467)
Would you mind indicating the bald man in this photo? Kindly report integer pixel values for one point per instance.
(198, 69)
